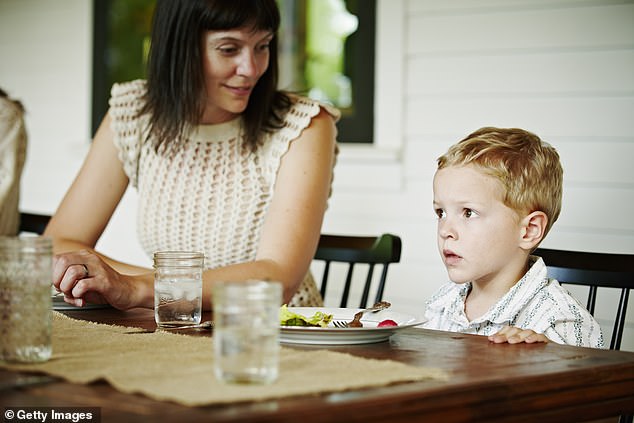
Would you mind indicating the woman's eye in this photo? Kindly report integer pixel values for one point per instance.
(228, 50)
(264, 47)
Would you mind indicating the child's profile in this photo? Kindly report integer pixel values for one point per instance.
(497, 194)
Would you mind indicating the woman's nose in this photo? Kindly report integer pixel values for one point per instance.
(247, 65)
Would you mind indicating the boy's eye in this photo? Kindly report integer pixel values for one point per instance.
(468, 213)
(440, 213)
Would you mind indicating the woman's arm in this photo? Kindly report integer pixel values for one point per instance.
(79, 222)
(92, 198)
(292, 226)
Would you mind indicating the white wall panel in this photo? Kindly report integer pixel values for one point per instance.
(464, 6)
(607, 208)
(584, 239)
(535, 74)
(598, 161)
(510, 29)
(546, 116)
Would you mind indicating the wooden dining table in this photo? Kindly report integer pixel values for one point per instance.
(487, 383)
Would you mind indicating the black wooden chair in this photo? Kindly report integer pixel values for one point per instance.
(33, 222)
(370, 250)
(595, 270)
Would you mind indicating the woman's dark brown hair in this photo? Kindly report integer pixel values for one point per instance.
(176, 92)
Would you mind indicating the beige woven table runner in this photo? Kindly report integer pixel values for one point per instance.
(179, 368)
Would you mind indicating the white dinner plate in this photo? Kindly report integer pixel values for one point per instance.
(331, 335)
(61, 305)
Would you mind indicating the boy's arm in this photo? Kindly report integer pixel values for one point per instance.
(515, 335)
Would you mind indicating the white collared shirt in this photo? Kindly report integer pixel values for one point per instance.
(535, 302)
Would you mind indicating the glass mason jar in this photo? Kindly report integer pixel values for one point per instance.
(246, 331)
(26, 274)
(178, 288)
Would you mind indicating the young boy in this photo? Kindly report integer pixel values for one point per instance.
(497, 193)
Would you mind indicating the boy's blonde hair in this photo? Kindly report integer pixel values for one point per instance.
(528, 168)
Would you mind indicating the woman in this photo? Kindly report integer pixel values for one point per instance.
(13, 140)
(223, 162)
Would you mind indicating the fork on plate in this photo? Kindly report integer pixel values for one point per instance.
(356, 320)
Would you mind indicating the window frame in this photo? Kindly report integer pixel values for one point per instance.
(359, 126)
(387, 119)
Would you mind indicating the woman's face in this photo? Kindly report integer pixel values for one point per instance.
(233, 61)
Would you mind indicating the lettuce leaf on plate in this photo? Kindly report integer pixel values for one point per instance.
(288, 318)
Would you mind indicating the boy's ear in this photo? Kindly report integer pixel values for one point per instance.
(533, 229)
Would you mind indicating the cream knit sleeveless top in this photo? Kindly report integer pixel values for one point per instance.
(13, 140)
(205, 192)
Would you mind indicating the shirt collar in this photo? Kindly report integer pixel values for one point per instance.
(506, 310)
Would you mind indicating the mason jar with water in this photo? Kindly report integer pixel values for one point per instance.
(246, 331)
(178, 288)
(26, 274)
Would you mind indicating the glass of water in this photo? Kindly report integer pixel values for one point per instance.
(26, 274)
(178, 288)
(246, 331)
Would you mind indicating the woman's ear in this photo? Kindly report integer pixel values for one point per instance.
(533, 229)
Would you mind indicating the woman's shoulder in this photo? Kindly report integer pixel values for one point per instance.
(128, 94)
(10, 109)
(126, 101)
(297, 117)
(302, 106)
(128, 87)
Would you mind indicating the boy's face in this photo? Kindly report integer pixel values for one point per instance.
(478, 236)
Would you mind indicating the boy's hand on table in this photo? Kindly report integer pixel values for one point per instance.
(515, 335)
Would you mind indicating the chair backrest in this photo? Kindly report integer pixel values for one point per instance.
(595, 270)
(34, 223)
(370, 250)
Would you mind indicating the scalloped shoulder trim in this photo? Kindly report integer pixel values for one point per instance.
(126, 102)
(296, 120)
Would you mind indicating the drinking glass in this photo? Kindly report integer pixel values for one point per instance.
(246, 331)
(26, 274)
(178, 288)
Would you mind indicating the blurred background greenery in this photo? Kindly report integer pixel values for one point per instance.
(316, 52)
